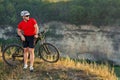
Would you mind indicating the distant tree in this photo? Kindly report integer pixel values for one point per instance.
(96, 12)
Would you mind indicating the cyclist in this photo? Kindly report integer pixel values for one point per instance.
(28, 30)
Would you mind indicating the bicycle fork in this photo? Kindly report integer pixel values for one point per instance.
(46, 49)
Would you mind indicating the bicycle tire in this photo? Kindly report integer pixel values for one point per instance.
(13, 55)
(50, 55)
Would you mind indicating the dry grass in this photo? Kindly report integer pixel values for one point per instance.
(64, 69)
(103, 71)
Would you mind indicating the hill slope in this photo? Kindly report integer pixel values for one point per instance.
(64, 69)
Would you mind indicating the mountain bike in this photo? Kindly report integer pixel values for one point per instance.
(13, 53)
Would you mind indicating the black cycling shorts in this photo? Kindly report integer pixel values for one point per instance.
(29, 42)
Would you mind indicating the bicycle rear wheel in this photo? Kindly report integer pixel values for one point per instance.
(13, 55)
(49, 53)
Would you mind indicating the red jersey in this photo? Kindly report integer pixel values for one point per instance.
(28, 27)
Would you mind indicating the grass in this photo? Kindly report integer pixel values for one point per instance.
(64, 69)
(117, 71)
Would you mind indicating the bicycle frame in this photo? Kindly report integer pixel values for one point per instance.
(41, 38)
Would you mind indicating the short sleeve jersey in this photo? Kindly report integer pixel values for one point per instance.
(28, 27)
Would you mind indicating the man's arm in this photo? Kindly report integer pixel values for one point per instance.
(37, 29)
(19, 32)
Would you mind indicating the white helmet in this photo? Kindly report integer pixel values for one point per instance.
(24, 13)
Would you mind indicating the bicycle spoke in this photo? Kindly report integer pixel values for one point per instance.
(49, 53)
(13, 55)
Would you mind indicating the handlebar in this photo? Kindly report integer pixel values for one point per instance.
(41, 33)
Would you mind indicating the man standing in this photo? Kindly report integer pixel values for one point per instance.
(28, 30)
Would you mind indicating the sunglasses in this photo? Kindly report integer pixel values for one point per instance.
(27, 16)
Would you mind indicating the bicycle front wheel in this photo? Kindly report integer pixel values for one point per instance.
(13, 55)
(49, 53)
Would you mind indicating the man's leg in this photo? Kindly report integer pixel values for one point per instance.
(25, 57)
(31, 50)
